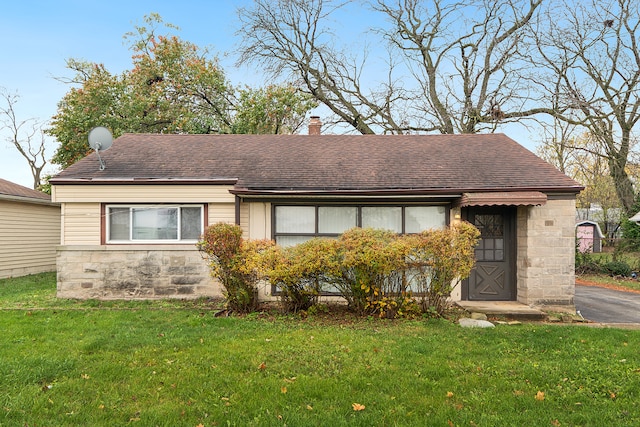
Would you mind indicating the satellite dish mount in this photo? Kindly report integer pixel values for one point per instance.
(100, 138)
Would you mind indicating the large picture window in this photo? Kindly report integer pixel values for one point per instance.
(152, 223)
(296, 224)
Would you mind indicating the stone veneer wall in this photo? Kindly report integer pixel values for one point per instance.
(546, 254)
(133, 272)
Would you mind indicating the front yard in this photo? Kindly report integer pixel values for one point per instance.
(175, 363)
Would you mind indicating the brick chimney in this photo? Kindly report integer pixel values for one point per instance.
(315, 125)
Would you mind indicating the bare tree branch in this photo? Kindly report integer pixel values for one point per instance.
(591, 50)
(465, 72)
(26, 136)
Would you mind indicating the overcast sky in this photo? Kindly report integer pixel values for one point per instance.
(36, 37)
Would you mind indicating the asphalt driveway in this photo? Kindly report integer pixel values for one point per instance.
(604, 305)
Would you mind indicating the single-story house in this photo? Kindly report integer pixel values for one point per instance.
(129, 231)
(29, 231)
(589, 236)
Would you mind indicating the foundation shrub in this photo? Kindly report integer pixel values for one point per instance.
(371, 263)
(438, 261)
(300, 271)
(377, 272)
(236, 263)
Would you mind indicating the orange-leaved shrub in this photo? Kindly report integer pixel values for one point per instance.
(235, 262)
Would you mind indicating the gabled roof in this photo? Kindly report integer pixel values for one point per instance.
(320, 164)
(10, 190)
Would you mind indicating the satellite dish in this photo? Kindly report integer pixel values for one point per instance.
(100, 138)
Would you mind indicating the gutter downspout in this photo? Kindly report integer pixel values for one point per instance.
(237, 207)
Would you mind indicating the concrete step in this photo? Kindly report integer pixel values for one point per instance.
(507, 309)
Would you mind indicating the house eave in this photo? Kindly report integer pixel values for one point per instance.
(391, 192)
(31, 200)
(144, 181)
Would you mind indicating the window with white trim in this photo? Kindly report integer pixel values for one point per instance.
(294, 224)
(154, 223)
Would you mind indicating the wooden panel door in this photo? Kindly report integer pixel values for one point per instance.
(493, 277)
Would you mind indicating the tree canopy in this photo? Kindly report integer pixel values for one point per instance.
(173, 86)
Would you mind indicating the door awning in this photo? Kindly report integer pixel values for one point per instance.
(506, 198)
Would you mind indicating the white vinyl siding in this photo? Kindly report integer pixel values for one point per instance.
(258, 222)
(179, 194)
(222, 212)
(81, 223)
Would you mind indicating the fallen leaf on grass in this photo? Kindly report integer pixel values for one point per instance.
(555, 423)
(85, 376)
(309, 408)
(358, 407)
(283, 390)
(449, 394)
(262, 366)
(540, 395)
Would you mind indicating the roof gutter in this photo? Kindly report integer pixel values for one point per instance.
(23, 199)
(394, 192)
(143, 181)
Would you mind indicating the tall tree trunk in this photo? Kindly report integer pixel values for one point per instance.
(624, 186)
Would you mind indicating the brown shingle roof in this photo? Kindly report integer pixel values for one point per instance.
(326, 163)
(8, 188)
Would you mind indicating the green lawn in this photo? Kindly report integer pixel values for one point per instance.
(175, 364)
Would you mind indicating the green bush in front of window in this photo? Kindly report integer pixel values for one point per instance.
(370, 271)
(380, 271)
(300, 272)
(439, 260)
